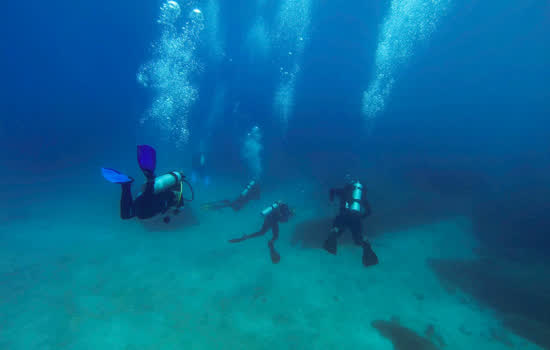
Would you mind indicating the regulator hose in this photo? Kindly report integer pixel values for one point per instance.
(190, 188)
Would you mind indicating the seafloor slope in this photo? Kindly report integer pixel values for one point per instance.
(73, 276)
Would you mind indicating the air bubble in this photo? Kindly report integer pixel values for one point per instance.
(408, 24)
(169, 74)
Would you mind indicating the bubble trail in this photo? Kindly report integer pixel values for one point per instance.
(408, 24)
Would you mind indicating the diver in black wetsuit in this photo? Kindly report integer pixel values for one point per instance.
(150, 203)
(251, 192)
(159, 193)
(353, 208)
(277, 212)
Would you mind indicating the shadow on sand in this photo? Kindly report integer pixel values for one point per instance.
(404, 338)
(312, 233)
(184, 219)
(520, 294)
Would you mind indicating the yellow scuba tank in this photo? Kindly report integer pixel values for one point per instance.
(167, 181)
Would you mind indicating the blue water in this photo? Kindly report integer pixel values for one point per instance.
(440, 107)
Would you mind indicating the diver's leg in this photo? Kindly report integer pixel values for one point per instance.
(237, 204)
(369, 257)
(357, 232)
(265, 227)
(126, 202)
(149, 189)
(147, 204)
(275, 257)
(331, 244)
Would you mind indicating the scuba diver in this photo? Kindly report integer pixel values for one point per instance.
(250, 192)
(199, 166)
(353, 207)
(275, 213)
(159, 194)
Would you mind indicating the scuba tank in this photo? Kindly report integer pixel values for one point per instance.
(356, 197)
(167, 181)
(269, 209)
(244, 193)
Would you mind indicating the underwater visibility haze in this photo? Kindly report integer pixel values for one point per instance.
(261, 174)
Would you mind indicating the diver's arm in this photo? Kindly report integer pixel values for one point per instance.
(336, 192)
(366, 208)
(238, 203)
(265, 227)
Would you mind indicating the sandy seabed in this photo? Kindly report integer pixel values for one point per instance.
(74, 276)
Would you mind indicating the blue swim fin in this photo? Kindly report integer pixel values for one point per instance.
(115, 177)
(147, 160)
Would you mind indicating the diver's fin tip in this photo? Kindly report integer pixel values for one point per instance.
(147, 159)
(330, 246)
(115, 176)
(369, 257)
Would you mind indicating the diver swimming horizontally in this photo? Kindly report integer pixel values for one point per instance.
(353, 208)
(250, 192)
(159, 194)
(275, 213)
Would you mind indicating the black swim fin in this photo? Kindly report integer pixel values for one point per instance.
(331, 245)
(275, 257)
(369, 256)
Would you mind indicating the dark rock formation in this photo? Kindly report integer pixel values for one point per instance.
(519, 293)
(403, 338)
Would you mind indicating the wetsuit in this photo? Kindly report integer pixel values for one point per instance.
(252, 194)
(147, 204)
(348, 219)
(271, 222)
